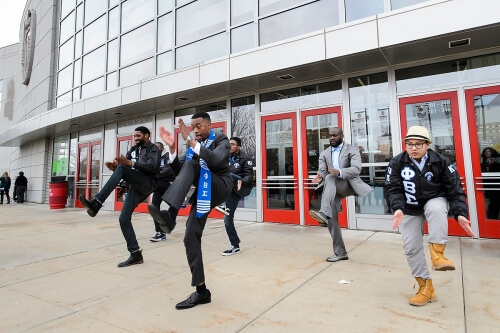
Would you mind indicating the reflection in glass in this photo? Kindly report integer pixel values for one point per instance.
(374, 202)
(66, 7)
(271, 6)
(164, 6)
(78, 44)
(94, 64)
(66, 53)
(358, 9)
(113, 55)
(165, 63)
(93, 88)
(79, 17)
(135, 12)
(112, 81)
(370, 121)
(138, 44)
(65, 80)
(94, 9)
(203, 50)
(94, 169)
(95, 34)
(396, 4)
(200, 19)
(67, 27)
(60, 156)
(241, 11)
(280, 182)
(165, 27)
(487, 111)
(114, 23)
(242, 38)
(77, 77)
(137, 72)
(315, 16)
(82, 170)
(436, 116)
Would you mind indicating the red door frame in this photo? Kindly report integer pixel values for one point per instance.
(282, 216)
(487, 228)
(185, 211)
(342, 216)
(87, 191)
(454, 228)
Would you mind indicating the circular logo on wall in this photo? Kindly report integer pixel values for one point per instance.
(28, 45)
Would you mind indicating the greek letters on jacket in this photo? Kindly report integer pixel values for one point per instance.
(242, 165)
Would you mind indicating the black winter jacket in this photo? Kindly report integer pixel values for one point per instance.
(242, 165)
(409, 189)
(148, 161)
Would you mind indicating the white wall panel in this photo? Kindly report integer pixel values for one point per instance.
(184, 79)
(131, 94)
(212, 72)
(353, 38)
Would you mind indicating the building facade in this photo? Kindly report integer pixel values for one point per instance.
(277, 73)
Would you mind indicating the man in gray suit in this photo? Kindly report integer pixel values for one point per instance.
(206, 168)
(338, 174)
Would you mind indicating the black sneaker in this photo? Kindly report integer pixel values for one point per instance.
(195, 299)
(135, 258)
(163, 217)
(160, 236)
(231, 250)
(222, 209)
(92, 206)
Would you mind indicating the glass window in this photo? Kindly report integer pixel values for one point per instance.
(79, 17)
(206, 49)
(113, 55)
(72, 155)
(315, 16)
(135, 12)
(112, 81)
(112, 3)
(370, 121)
(374, 202)
(164, 6)
(94, 64)
(114, 23)
(137, 72)
(60, 156)
(396, 4)
(242, 38)
(241, 11)
(76, 94)
(77, 78)
(165, 27)
(138, 44)
(94, 34)
(449, 73)
(271, 6)
(94, 9)
(308, 96)
(67, 27)
(358, 9)
(182, 2)
(66, 7)
(63, 100)
(1, 84)
(165, 63)
(78, 44)
(66, 53)
(200, 19)
(65, 80)
(93, 88)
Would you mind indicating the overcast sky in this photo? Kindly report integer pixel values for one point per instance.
(11, 12)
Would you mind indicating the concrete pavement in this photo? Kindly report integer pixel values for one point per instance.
(58, 274)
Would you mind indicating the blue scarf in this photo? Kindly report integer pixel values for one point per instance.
(205, 182)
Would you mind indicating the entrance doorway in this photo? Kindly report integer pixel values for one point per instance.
(439, 114)
(483, 113)
(88, 164)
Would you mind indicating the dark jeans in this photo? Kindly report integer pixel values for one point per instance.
(20, 190)
(140, 188)
(161, 187)
(6, 191)
(232, 203)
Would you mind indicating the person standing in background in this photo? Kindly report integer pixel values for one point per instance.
(5, 187)
(21, 185)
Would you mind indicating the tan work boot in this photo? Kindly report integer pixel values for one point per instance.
(425, 293)
(439, 262)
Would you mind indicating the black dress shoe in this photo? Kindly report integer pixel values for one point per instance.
(134, 259)
(335, 258)
(92, 206)
(195, 299)
(163, 217)
(320, 217)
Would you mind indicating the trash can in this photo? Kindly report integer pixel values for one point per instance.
(58, 193)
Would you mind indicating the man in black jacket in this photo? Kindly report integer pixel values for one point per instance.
(139, 169)
(241, 167)
(420, 184)
(21, 184)
(206, 168)
(165, 177)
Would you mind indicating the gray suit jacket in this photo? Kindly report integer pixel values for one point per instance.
(350, 166)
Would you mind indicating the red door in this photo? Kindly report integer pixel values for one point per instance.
(279, 168)
(87, 170)
(439, 114)
(316, 125)
(181, 148)
(483, 114)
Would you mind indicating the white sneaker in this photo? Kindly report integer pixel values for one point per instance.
(231, 250)
(223, 209)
